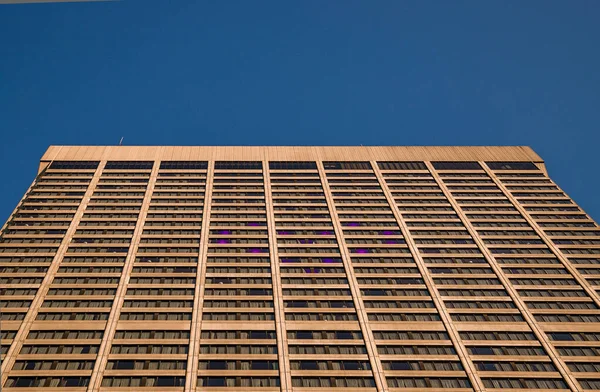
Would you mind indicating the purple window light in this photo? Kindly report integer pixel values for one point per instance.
(312, 270)
(330, 260)
(361, 251)
(325, 232)
(255, 250)
(224, 231)
(388, 232)
(352, 224)
(223, 241)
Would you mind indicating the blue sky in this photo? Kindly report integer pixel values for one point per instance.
(186, 72)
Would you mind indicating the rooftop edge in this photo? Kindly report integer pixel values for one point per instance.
(292, 153)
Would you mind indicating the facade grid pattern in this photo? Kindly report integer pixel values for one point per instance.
(298, 269)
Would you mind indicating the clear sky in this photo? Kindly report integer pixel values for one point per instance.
(322, 72)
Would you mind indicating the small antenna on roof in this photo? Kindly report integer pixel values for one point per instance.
(121, 141)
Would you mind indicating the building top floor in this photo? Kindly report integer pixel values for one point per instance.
(292, 153)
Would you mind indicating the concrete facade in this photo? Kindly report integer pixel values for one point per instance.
(298, 269)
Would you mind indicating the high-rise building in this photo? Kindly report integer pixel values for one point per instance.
(298, 269)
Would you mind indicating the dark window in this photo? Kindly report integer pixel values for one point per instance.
(304, 335)
(309, 365)
(347, 165)
(217, 365)
(261, 365)
(215, 381)
(73, 165)
(281, 165)
(257, 292)
(482, 351)
(343, 335)
(352, 365)
(401, 366)
(124, 365)
(194, 165)
(238, 165)
(259, 335)
(170, 381)
(485, 366)
(512, 166)
(75, 381)
(561, 336)
(402, 165)
(130, 165)
(453, 165)
(24, 382)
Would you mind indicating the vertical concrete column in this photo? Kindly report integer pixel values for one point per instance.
(191, 374)
(282, 347)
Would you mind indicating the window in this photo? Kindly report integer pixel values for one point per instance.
(129, 165)
(402, 165)
(164, 381)
(416, 350)
(422, 365)
(149, 349)
(344, 335)
(299, 165)
(561, 336)
(347, 165)
(328, 382)
(238, 165)
(309, 365)
(216, 365)
(53, 365)
(535, 383)
(330, 365)
(506, 350)
(410, 335)
(482, 351)
(497, 336)
(304, 335)
(240, 364)
(512, 366)
(429, 382)
(456, 165)
(152, 334)
(179, 165)
(512, 166)
(324, 335)
(59, 349)
(124, 365)
(49, 381)
(65, 334)
(71, 165)
(238, 381)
